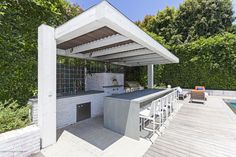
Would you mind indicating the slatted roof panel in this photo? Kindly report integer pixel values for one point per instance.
(86, 38)
(103, 33)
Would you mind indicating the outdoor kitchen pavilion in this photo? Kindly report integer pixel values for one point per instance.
(101, 33)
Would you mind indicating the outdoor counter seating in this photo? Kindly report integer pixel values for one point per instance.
(154, 117)
(122, 112)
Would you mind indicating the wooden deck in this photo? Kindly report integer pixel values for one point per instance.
(198, 131)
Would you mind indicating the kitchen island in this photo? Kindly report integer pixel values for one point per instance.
(121, 111)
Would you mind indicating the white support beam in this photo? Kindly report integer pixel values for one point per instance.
(147, 63)
(118, 63)
(65, 53)
(126, 54)
(47, 85)
(145, 60)
(154, 55)
(99, 43)
(137, 58)
(82, 56)
(114, 50)
(150, 75)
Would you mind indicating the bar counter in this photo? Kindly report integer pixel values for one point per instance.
(121, 111)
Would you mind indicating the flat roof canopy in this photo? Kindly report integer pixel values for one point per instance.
(102, 33)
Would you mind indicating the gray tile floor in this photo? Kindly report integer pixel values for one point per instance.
(89, 138)
(90, 127)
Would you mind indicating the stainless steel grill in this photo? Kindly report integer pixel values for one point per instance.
(131, 86)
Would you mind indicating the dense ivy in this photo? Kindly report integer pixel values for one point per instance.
(19, 20)
(208, 61)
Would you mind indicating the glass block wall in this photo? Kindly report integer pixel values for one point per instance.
(71, 74)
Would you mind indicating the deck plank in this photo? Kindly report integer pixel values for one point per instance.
(198, 130)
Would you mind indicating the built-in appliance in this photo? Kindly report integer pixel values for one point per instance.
(131, 86)
(83, 111)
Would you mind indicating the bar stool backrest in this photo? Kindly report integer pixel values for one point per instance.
(152, 109)
(172, 96)
(164, 101)
(157, 105)
(169, 98)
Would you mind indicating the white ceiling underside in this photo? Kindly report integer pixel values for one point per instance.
(137, 49)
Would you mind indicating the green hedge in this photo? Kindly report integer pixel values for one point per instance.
(136, 74)
(208, 61)
(13, 116)
(19, 21)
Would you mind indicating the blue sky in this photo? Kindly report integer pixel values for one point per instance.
(135, 9)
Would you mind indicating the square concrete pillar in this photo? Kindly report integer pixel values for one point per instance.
(47, 85)
(150, 76)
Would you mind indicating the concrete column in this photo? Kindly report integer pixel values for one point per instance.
(150, 76)
(47, 85)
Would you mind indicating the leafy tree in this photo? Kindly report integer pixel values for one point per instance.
(232, 29)
(19, 20)
(163, 24)
(147, 23)
(195, 32)
(192, 20)
(196, 18)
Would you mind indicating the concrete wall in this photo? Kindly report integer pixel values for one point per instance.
(221, 93)
(66, 107)
(218, 92)
(34, 111)
(21, 142)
